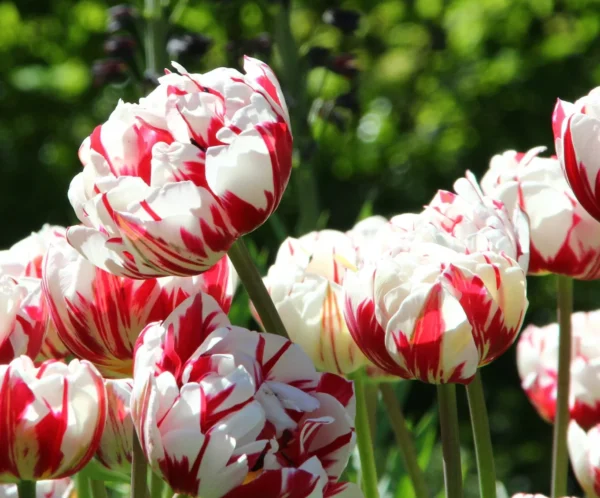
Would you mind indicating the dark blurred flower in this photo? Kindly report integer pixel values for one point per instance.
(344, 64)
(188, 44)
(261, 44)
(121, 46)
(122, 18)
(345, 20)
(318, 56)
(348, 101)
(107, 71)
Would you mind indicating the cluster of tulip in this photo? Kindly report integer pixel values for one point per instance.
(114, 335)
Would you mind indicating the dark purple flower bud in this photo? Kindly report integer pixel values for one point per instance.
(345, 20)
(188, 45)
(109, 71)
(344, 64)
(121, 46)
(318, 57)
(122, 18)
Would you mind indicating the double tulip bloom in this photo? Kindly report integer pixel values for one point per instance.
(170, 183)
(564, 238)
(450, 297)
(222, 411)
(584, 452)
(305, 283)
(576, 129)
(537, 361)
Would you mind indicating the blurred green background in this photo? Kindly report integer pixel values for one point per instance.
(430, 88)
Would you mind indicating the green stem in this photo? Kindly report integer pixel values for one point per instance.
(252, 281)
(364, 442)
(371, 392)
(26, 489)
(446, 394)
(482, 438)
(139, 488)
(560, 459)
(98, 489)
(404, 440)
(155, 45)
(157, 486)
(82, 484)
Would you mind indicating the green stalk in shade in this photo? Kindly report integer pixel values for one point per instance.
(404, 439)
(98, 489)
(82, 484)
(252, 281)
(364, 442)
(446, 395)
(482, 438)
(157, 485)
(560, 458)
(26, 489)
(139, 468)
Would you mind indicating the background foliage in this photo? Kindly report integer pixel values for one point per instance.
(434, 88)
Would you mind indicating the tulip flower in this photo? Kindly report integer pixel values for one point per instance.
(51, 418)
(584, 452)
(305, 285)
(24, 259)
(576, 133)
(368, 242)
(99, 315)
(537, 362)
(23, 317)
(431, 313)
(116, 443)
(217, 407)
(170, 183)
(478, 222)
(564, 238)
(54, 488)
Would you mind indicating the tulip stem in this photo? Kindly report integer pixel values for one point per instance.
(252, 281)
(403, 440)
(98, 489)
(482, 438)
(446, 395)
(82, 484)
(26, 489)
(154, 43)
(560, 459)
(364, 441)
(139, 488)
(156, 486)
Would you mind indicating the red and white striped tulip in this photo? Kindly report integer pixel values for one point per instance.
(171, 182)
(537, 362)
(564, 238)
(216, 406)
(51, 418)
(23, 317)
(434, 314)
(366, 238)
(584, 452)
(305, 283)
(53, 488)
(99, 316)
(116, 444)
(576, 130)
(24, 259)
(479, 222)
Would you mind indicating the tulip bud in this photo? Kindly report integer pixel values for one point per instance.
(305, 283)
(345, 20)
(537, 362)
(585, 457)
(192, 45)
(56, 411)
(193, 185)
(564, 238)
(115, 449)
(122, 18)
(109, 71)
